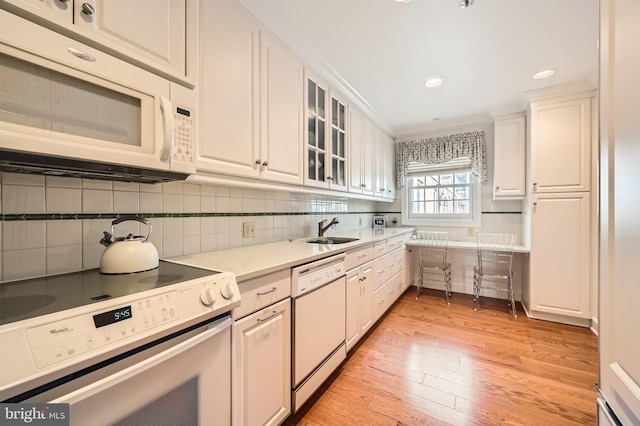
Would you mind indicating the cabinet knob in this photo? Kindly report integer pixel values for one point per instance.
(265, 163)
(258, 162)
(88, 9)
(497, 188)
(329, 178)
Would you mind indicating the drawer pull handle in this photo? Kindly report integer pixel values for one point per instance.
(267, 292)
(269, 317)
(362, 256)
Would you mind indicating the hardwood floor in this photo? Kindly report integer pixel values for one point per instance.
(426, 363)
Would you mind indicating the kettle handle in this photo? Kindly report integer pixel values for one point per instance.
(135, 218)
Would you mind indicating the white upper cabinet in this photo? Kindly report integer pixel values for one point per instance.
(338, 138)
(325, 136)
(152, 34)
(53, 10)
(360, 153)
(509, 155)
(229, 139)
(355, 150)
(561, 143)
(385, 166)
(282, 82)
(250, 99)
(316, 135)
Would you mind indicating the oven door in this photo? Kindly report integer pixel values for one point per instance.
(186, 384)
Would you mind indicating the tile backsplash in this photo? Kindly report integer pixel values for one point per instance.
(53, 225)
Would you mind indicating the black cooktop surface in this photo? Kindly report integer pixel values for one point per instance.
(20, 300)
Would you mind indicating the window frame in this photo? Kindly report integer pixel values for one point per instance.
(444, 219)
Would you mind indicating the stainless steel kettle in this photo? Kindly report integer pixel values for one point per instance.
(129, 254)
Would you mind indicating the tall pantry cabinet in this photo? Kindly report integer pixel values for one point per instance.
(558, 210)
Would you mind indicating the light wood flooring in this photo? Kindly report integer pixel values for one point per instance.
(426, 363)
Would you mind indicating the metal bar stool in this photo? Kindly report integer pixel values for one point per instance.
(495, 261)
(433, 259)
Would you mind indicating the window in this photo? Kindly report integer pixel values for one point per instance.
(441, 196)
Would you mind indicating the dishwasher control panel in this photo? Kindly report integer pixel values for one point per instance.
(306, 278)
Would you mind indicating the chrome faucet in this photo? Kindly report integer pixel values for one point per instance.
(322, 229)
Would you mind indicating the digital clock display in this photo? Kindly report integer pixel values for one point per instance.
(111, 317)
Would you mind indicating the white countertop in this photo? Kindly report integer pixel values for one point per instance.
(468, 245)
(253, 261)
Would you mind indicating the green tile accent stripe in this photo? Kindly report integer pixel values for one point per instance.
(501, 212)
(81, 216)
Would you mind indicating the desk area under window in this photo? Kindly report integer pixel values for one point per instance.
(467, 245)
(463, 257)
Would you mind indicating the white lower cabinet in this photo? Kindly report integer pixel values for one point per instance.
(385, 295)
(261, 362)
(262, 366)
(359, 303)
(375, 280)
(560, 259)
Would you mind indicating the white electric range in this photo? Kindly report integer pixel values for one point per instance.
(94, 341)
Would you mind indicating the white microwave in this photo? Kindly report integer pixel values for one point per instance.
(69, 109)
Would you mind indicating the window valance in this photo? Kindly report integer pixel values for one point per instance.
(441, 149)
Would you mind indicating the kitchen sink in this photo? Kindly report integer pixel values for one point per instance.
(331, 240)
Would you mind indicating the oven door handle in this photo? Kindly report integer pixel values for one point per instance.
(122, 375)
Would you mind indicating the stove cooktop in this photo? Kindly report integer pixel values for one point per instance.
(20, 300)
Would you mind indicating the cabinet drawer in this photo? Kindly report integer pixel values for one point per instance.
(395, 261)
(385, 295)
(381, 270)
(380, 248)
(263, 291)
(358, 256)
(395, 242)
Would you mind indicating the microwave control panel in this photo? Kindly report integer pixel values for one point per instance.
(184, 139)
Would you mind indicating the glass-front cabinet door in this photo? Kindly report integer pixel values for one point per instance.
(338, 178)
(317, 151)
(326, 137)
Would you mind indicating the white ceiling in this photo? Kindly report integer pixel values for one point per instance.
(487, 53)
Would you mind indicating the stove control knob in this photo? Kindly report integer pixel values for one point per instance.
(208, 296)
(228, 290)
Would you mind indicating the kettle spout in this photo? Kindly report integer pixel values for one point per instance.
(107, 239)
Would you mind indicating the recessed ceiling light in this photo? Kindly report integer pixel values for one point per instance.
(544, 74)
(434, 82)
(402, 1)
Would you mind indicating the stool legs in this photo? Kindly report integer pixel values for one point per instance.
(447, 283)
(477, 284)
(420, 282)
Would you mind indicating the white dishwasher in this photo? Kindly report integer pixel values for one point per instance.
(318, 291)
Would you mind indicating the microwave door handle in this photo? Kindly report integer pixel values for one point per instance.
(167, 124)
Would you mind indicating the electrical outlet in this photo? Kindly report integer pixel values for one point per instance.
(248, 229)
(469, 232)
